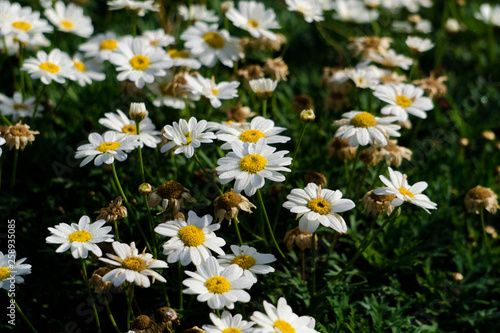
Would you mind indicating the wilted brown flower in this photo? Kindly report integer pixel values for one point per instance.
(195, 329)
(378, 204)
(490, 230)
(367, 44)
(239, 113)
(481, 197)
(170, 194)
(164, 317)
(228, 205)
(250, 72)
(302, 102)
(265, 44)
(226, 6)
(433, 86)
(341, 149)
(316, 178)
(392, 154)
(393, 77)
(303, 239)
(335, 101)
(277, 68)
(114, 212)
(98, 284)
(144, 324)
(19, 135)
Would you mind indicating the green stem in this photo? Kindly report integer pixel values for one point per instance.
(130, 297)
(151, 227)
(186, 109)
(261, 201)
(85, 278)
(181, 295)
(303, 130)
(37, 103)
(115, 176)
(360, 186)
(117, 235)
(203, 169)
(137, 127)
(7, 121)
(486, 244)
(238, 232)
(414, 70)
(491, 44)
(21, 60)
(18, 308)
(110, 315)
(13, 179)
(313, 267)
(65, 92)
(134, 24)
(264, 108)
(351, 175)
(164, 289)
(415, 131)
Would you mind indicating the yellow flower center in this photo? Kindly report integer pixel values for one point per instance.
(360, 81)
(404, 191)
(320, 206)
(81, 236)
(49, 67)
(24, 26)
(252, 23)
(251, 136)
(80, 66)
(403, 101)
(363, 119)
(231, 330)
(178, 53)
(139, 62)
(214, 92)
(109, 44)
(244, 261)
(129, 129)
(154, 43)
(67, 25)
(214, 40)
(253, 163)
(218, 285)
(19, 107)
(191, 235)
(188, 137)
(4, 273)
(105, 146)
(134, 264)
(283, 326)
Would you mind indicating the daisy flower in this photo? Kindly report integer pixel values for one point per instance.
(310, 9)
(391, 59)
(489, 14)
(55, 66)
(2, 142)
(107, 148)
(398, 185)
(210, 90)
(23, 23)
(363, 128)
(228, 324)
(255, 18)
(419, 45)
(220, 286)
(258, 128)
(403, 99)
(314, 205)
(139, 62)
(170, 92)
(70, 19)
(190, 241)
(87, 71)
(133, 267)
(17, 106)
(251, 261)
(353, 11)
(197, 13)
(120, 123)
(35, 42)
(182, 58)
(80, 238)
(364, 78)
(263, 88)
(281, 319)
(11, 270)
(158, 38)
(100, 46)
(186, 136)
(138, 7)
(249, 164)
(210, 44)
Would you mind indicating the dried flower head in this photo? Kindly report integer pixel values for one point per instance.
(195, 329)
(392, 154)
(341, 149)
(433, 86)
(316, 178)
(98, 284)
(265, 44)
(367, 44)
(335, 101)
(490, 230)
(250, 72)
(277, 68)
(303, 239)
(114, 212)
(377, 204)
(19, 135)
(144, 324)
(302, 102)
(228, 205)
(164, 314)
(171, 195)
(481, 197)
(239, 113)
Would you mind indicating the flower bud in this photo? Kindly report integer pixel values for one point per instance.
(138, 112)
(145, 189)
(307, 116)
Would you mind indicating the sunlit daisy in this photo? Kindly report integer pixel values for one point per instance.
(391, 59)
(191, 241)
(70, 19)
(100, 46)
(251, 261)
(397, 185)
(314, 205)
(249, 164)
(310, 9)
(220, 287)
(212, 91)
(228, 324)
(87, 71)
(55, 66)
(134, 267)
(419, 45)
(353, 11)
(23, 23)
(158, 38)
(11, 270)
(255, 18)
(362, 128)
(182, 58)
(138, 7)
(18, 107)
(80, 238)
(197, 13)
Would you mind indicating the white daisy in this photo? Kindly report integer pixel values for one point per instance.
(403, 99)
(186, 136)
(158, 38)
(489, 14)
(55, 66)
(170, 93)
(251, 261)
(107, 148)
(310, 9)
(87, 71)
(17, 106)
(120, 123)
(258, 128)
(100, 46)
(262, 87)
(139, 62)
(134, 267)
(11, 270)
(419, 45)
(228, 324)
(80, 238)
(391, 59)
(212, 91)
(249, 164)
(221, 287)
(363, 128)
(281, 319)
(190, 241)
(182, 58)
(364, 78)
(314, 205)
(138, 7)
(353, 11)
(421, 25)
(397, 185)
(23, 23)
(197, 13)
(35, 42)
(253, 17)
(70, 19)
(2, 142)
(210, 44)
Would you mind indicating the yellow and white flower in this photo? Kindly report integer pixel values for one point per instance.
(80, 238)
(197, 13)
(100, 46)
(391, 59)
(11, 270)
(158, 38)
(310, 9)
(2, 142)
(364, 77)
(191, 241)
(419, 45)
(263, 87)
(18, 107)
(21, 23)
(87, 71)
(251, 261)
(228, 324)
(182, 58)
(70, 19)
(354, 11)
(55, 66)
(167, 91)
(138, 7)
(253, 17)
(212, 91)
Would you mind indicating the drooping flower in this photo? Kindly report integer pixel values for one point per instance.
(171, 195)
(228, 205)
(481, 197)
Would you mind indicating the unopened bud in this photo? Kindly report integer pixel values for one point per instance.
(488, 135)
(225, 6)
(464, 142)
(307, 116)
(145, 189)
(137, 112)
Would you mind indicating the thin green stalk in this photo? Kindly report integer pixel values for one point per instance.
(117, 235)
(7, 121)
(181, 295)
(37, 103)
(110, 315)
(491, 44)
(13, 179)
(137, 128)
(18, 308)
(164, 289)
(130, 297)
(151, 226)
(134, 24)
(202, 167)
(186, 109)
(304, 126)
(85, 278)
(264, 108)
(486, 244)
(115, 176)
(358, 192)
(351, 175)
(414, 70)
(238, 232)
(313, 267)
(65, 92)
(415, 132)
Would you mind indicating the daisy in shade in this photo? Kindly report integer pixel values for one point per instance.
(80, 238)
(23, 23)
(87, 71)
(12, 270)
(186, 136)
(220, 287)
(158, 38)
(391, 59)
(253, 17)
(139, 62)
(209, 44)
(17, 106)
(100, 46)
(70, 19)
(182, 58)
(419, 45)
(134, 267)
(138, 7)
(106, 148)
(120, 123)
(403, 99)
(191, 241)
(249, 164)
(310, 9)
(55, 66)
(362, 128)
(281, 319)
(251, 261)
(314, 205)
(228, 324)
(258, 128)
(197, 13)
(212, 91)
(398, 185)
